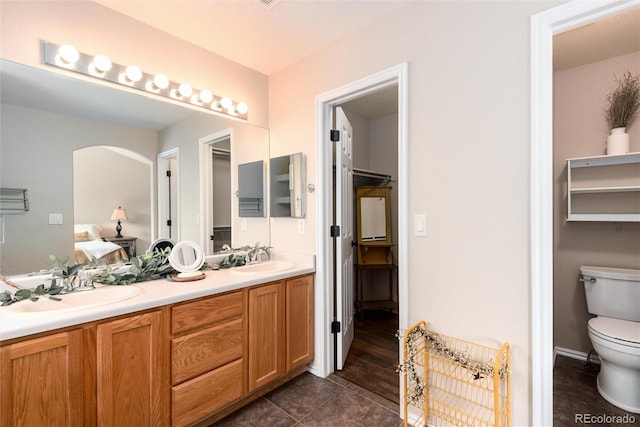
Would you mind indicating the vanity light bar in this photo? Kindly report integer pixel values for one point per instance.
(101, 67)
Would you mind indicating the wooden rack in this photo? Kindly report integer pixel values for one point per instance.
(13, 200)
(451, 382)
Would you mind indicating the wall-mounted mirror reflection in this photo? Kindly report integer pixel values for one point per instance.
(287, 181)
(47, 116)
(251, 189)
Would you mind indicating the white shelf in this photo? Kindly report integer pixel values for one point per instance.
(621, 189)
(604, 184)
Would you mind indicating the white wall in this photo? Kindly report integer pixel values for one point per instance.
(580, 130)
(469, 160)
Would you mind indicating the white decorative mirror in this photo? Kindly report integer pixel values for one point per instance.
(187, 258)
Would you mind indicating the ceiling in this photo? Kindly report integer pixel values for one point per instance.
(613, 36)
(265, 38)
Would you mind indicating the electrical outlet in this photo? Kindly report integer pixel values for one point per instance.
(301, 226)
(243, 224)
(55, 218)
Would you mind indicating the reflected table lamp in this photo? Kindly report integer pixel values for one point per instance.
(119, 215)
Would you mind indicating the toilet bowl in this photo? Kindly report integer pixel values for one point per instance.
(617, 343)
(613, 294)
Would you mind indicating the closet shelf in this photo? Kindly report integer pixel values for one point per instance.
(618, 189)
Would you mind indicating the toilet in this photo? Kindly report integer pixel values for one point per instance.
(613, 294)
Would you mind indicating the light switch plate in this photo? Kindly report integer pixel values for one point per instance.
(420, 225)
(55, 218)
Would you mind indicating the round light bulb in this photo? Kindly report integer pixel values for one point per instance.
(206, 96)
(68, 53)
(185, 90)
(133, 73)
(102, 63)
(242, 107)
(226, 102)
(161, 81)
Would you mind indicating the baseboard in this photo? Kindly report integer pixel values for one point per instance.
(574, 354)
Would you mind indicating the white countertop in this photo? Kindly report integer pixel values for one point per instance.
(155, 293)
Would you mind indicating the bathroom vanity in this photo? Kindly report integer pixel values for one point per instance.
(177, 354)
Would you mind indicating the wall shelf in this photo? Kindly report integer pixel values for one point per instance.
(13, 200)
(604, 188)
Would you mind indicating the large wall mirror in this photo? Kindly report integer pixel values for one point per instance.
(47, 116)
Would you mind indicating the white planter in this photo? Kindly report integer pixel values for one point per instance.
(618, 142)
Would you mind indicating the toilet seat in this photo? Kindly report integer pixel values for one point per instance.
(621, 332)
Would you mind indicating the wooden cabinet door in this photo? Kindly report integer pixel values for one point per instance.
(299, 321)
(129, 371)
(266, 334)
(42, 382)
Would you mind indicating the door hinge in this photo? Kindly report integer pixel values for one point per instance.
(334, 135)
(334, 231)
(169, 173)
(168, 223)
(335, 327)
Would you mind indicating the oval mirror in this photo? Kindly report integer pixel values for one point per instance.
(187, 258)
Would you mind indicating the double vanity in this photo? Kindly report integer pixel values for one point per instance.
(159, 352)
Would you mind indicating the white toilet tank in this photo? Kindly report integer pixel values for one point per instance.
(612, 292)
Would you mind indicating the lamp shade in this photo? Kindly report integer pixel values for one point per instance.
(119, 214)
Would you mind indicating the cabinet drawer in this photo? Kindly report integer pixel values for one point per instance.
(197, 353)
(209, 311)
(206, 394)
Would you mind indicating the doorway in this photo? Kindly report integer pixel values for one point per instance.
(543, 27)
(325, 362)
(371, 358)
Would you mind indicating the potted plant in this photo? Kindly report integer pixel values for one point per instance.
(623, 104)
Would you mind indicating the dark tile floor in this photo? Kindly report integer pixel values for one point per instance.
(576, 397)
(312, 401)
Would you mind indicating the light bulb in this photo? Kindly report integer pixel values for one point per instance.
(206, 96)
(242, 107)
(161, 81)
(68, 53)
(102, 63)
(226, 102)
(185, 90)
(133, 73)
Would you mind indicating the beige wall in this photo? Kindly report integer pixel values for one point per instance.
(37, 154)
(580, 130)
(469, 107)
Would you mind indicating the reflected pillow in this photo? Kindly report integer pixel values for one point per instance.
(81, 236)
(94, 230)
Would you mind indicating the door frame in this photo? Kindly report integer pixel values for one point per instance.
(323, 363)
(544, 26)
(206, 167)
(164, 156)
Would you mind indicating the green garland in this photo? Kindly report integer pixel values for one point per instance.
(439, 347)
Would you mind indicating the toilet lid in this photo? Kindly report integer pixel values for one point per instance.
(625, 330)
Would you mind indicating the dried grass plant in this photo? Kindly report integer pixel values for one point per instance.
(624, 102)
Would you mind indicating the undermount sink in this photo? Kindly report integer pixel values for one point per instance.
(76, 300)
(264, 267)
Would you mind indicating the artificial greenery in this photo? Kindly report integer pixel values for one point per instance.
(141, 268)
(623, 102)
(238, 256)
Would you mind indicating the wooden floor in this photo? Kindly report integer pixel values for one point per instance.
(373, 358)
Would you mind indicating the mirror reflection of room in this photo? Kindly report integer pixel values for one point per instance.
(221, 188)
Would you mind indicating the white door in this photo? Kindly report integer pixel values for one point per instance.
(344, 248)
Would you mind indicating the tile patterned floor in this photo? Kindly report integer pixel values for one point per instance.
(575, 393)
(312, 401)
